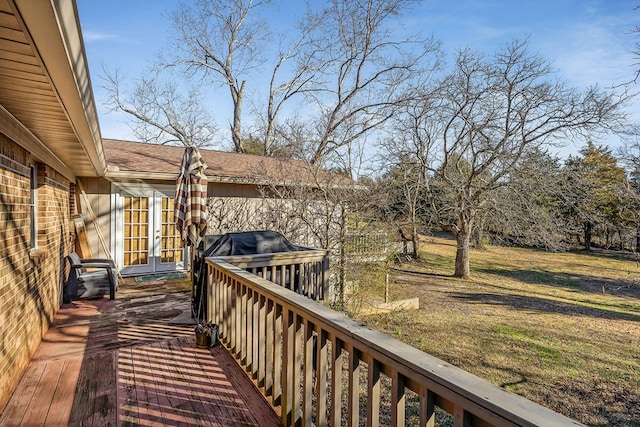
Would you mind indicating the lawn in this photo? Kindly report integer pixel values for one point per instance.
(561, 329)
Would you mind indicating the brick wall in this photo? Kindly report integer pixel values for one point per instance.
(30, 281)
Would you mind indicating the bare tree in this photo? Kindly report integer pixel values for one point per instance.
(408, 157)
(366, 74)
(162, 114)
(220, 41)
(311, 206)
(495, 111)
(298, 52)
(344, 55)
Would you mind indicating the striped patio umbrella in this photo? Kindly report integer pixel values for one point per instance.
(191, 198)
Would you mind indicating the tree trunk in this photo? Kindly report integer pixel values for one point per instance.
(463, 237)
(638, 239)
(587, 235)
(414, 240)
(236, 134)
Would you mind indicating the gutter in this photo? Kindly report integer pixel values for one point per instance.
(115, 174)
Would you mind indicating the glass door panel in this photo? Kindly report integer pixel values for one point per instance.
(146, 238)
(171, 250)
(136, 231)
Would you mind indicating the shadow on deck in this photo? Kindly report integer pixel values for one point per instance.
(121, 362)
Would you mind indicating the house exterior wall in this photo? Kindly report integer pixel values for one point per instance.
(231, 207)
(98, 196)
(233, 201)
(30, 280)
(247, 191)
(299, 219)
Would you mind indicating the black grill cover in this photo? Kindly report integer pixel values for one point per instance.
(250, 243)
(244, 243)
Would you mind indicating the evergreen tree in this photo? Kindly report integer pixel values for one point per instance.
(598, 187)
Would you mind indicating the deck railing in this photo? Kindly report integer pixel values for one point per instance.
(369, 243)
(319, 367)
(304, 272)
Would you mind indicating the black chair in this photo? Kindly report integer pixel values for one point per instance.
(90, 278)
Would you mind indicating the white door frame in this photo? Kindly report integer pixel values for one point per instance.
(154, 192)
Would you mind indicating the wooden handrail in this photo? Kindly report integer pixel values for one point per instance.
(303, 355)
(304, 272)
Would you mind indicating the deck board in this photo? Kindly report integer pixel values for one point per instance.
(44, 392)
(181, 373)
(60, 411)
(120, 362)
(23, 395)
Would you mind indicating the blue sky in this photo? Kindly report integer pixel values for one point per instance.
(588, 42)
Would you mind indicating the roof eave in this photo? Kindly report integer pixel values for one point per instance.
(16, 131)
(114, 174)
(54, 28)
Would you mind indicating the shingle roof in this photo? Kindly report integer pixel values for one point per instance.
(163, 161)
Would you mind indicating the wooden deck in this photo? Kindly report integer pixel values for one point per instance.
(121, 362)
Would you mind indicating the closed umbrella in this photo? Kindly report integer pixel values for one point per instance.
(191, 198)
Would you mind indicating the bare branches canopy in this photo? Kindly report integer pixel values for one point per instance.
(334, 74)
(458, 138)
(482, 121)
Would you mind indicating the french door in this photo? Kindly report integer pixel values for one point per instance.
(146, 239)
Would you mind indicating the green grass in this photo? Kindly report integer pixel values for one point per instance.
(561, 329)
